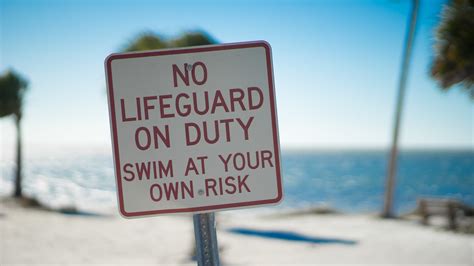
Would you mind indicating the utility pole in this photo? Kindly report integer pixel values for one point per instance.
(392, 165)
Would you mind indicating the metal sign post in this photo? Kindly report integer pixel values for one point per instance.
(207, 252)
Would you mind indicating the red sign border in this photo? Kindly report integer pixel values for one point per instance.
(196, 49)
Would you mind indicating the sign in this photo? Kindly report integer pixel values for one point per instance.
(194, 129)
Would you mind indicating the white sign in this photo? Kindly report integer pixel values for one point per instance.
(194, 129)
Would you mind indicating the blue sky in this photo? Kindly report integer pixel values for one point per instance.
(336, 67)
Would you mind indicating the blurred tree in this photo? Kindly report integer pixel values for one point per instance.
(12, 90)
(387, 211)
(146, 41)
(152, 41)
(192, 39)
(454, 60)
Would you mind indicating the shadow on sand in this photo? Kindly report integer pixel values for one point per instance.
(290, 236)
(33, 204)
(75, 212)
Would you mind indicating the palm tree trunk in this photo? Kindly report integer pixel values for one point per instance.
(392, 164)
(18, 192)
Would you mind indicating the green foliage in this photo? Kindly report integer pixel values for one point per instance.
(192, 39)
(146, 41)
(454, 61)
(152, 41)
(12, 90)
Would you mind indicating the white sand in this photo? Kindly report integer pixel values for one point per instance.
(35, 237)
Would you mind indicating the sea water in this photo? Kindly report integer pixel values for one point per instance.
(349, 181)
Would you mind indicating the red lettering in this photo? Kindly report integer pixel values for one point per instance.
(165, 138)
(216, 132)
(229, 183)
(124, 116)
(267, 156)
(227, 127)
(177, 72)
(186, 107)
(189, 189)
(191, 166)
(203, 163)
(219, 102)
(259, 104)
(125, 169)
(171, 190)
(210, 184)
(187, 127)
(245, 127)
(236, 161)
(249, 160)
(221, 189)
(164, 106)
(241, 183)
(236, 99)
(147, 106)
(147, 138)
(204, 73)
(166, 171)
(153, 196)
(139, 108)
(143, 170)
(225, 161)
(196, 104)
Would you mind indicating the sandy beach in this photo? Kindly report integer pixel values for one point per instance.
(38, 237)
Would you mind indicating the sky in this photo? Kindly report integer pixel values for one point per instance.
(336, 67)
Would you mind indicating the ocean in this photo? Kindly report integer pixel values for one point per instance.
(348, 181)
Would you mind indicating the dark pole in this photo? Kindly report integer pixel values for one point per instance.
(18, 191)
(392, 165)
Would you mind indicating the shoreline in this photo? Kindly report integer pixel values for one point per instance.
(32, 236)
(438, 222)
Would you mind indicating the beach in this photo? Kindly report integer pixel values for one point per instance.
(32, 236)
(317, 132)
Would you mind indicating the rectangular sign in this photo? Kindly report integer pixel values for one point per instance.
(194, 129)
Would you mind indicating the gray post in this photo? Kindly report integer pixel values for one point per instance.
(207, 252)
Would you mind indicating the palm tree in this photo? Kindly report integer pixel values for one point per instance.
(454, 50)
(146, 41)
(387, 211)
(192, 39)
(12, 90)
(152, 41)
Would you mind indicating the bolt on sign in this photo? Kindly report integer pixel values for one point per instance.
(194, 129)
